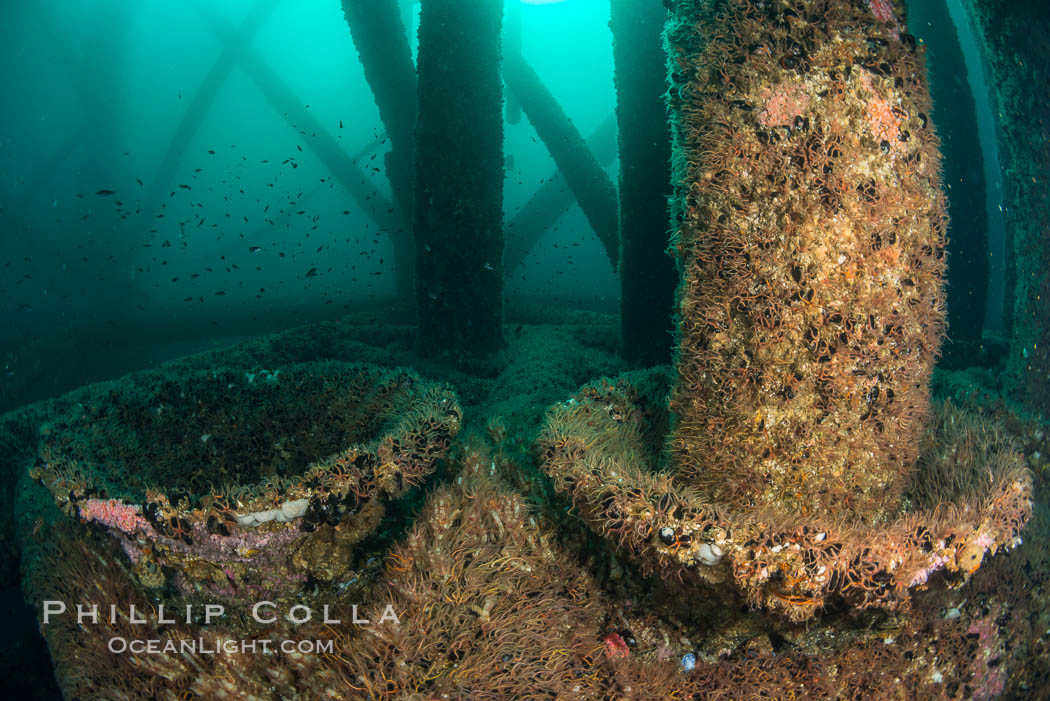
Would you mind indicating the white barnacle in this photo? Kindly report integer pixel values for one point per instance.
(709, 554)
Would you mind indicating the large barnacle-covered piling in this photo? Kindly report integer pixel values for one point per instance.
(805, 464)
(810, 234)
(459, 177)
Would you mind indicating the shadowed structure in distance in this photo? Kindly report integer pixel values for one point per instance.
(459, 178)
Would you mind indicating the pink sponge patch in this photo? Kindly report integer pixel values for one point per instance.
(883, 10)
(113, 514)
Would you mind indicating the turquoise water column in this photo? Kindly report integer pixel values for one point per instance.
(592, 188)
(458, 210)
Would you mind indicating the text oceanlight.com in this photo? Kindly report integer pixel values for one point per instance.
(228, 646)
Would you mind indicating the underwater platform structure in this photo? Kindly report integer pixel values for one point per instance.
(774, 471)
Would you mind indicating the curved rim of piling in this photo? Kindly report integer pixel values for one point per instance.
(593, 446)
(414, 423)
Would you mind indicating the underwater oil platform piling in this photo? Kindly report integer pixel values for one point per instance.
(647, 281)
(382, 46)
(955, 115)
(811, 242)
(1017, 50)
(647, 272)
(810, 236)
(458, 215)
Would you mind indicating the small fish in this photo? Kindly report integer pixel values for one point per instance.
(25, 307)
(106, 193)
(312, 272)
(185, 187)
(255, 249)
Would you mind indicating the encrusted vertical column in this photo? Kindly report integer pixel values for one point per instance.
(459, 177)
(1018, 52)
(647, 275)
(382, 46)
(955, 115)
(512, 49)
(810, 232)
(383, 49)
